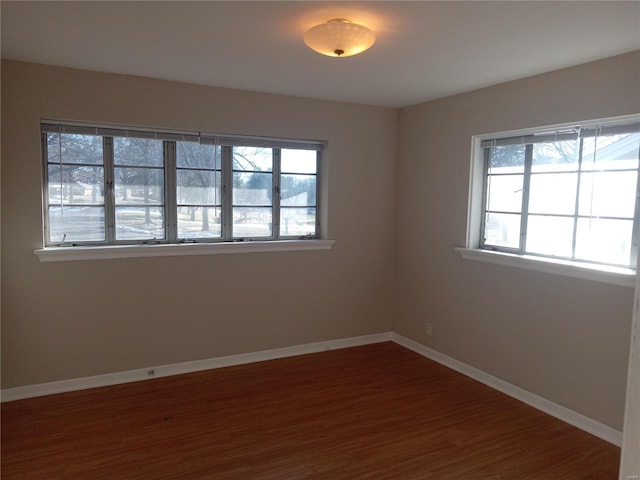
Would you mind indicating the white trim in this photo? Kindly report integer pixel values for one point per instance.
(601, 122)
(630, 455)
(28, 391)
(63, 254)
(625, 277)
(578, 420)
(569, 416)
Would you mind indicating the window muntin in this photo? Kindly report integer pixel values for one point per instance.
(571, 194)
(108, 186)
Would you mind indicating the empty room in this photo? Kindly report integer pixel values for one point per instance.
(320, 240)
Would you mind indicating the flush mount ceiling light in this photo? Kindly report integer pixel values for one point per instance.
(339, 38)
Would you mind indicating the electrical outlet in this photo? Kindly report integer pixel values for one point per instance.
(428, 329)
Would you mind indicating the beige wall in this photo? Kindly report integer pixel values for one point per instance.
(74, 319)
(562, 338)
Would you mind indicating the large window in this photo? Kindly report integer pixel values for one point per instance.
(570, 194)
(109, 186)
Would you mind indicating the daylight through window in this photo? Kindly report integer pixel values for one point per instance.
(107, 186)
(570, 194)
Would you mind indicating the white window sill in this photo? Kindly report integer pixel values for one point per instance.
(65, 254)
(597, 273)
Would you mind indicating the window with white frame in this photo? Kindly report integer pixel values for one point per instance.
(112, 186)
(569, 194)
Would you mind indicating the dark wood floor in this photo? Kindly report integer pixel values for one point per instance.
(373, 412)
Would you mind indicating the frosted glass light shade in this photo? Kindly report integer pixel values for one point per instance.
(339, 38)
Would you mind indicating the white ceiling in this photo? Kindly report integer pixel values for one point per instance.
(424, 50)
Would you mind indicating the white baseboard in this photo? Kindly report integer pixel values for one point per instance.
(569, 416)
(28, 391)
(578, 420)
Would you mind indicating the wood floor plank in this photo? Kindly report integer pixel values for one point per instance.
(373, 412)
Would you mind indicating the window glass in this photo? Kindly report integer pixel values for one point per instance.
(551, 236)
(75, 184)
(198, 156)
(611, 152)
(198, 190)
(608, 194)
(252, 222)
(298, 161)
(505, 193)
(76, 224)
(298, 190)
(574, 194)
(139, 223)
(252, 159)
(101, 188)
(502, 230)
(555, 156)
(138, 152)
(604, 240)
(252, 192)
(75, 188)
(297, 221)
(138, 184)
(553, 193)
(74, 148)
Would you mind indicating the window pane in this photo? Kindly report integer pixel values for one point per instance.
(139, 186)
(198, 187)
(507, 159)
(553, 193)
(75, 149)
(252, 159)
(73, 184)
(606, 241)
(550, 235)
(76, 224)
(297, 221)
(502, 230)
(199, 222)
(505, 193)
(138, 151)
(611, 152)
(252, 188)
(555, 156)
(298, 161)
(608, 194)
(195, 155)
(139, 223)
(251, 222)
(298, 190)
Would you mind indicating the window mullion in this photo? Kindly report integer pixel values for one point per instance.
(485, 196)
(577, 208)
(633, 260)
(45, 188)
(319, 178)
(275, 201)
(109, 193)
(170, 187)
(227, 193)
(524, 218)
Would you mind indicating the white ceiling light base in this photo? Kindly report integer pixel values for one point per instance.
(339, 38)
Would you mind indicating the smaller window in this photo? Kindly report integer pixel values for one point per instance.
(570, 194)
